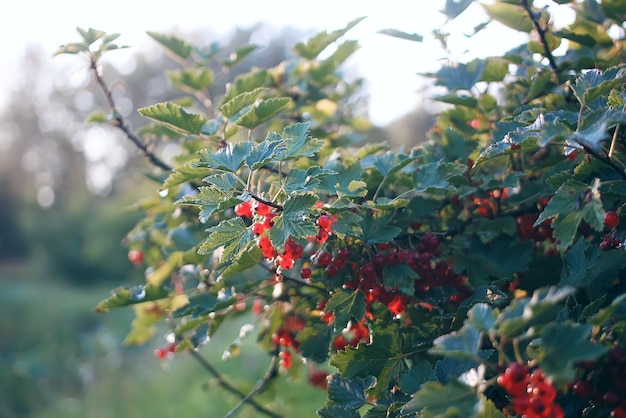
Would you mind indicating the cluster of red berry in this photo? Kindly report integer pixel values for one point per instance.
(356, 332)
(533, 395)
(263, 216)
(610, 241)
(526, 229)
(368, 277)
(603, 382)
(285, 339)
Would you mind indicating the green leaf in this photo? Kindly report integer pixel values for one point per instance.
(72, 48)
(453, 8)
(90, 35)
(350, 393)
(352, 190)
(376, 230)
(573, 202)
(563, 345)
(237, 56)
(348, 223)
(581, 259)
(482, 317)
(595, 83)
(312, 48)
(464, 343)
(196, 79)
(223, 181)
(593, 128)
(262, 111)
(542, 308)
(436, 400)
(262, 153)
(495, 70)
(295, 220)
(605, 314)
(337, 411)
(491, 295)
(346, 305)
(509, 15)
(502, 257)
(175, 45)
(229, 158)
(314, 342)
(391, 162)
(247, 82)
(183, 174)
(231, 107)
(298, 142)
(124, 296)
(382, 359)
(487, 409)
(210, 199)
(249, 257)
(231, 234)
(400, 276)
(98, 117)
(299, 180)
(174, 117)
(459, 100)
(202, 303)
(434, 178)
(402, 35)
(421, 372)
(459, 76)
(580, 38)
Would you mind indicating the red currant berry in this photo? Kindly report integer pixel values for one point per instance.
(244, 209)
(324, 222)
(305, 273)
(135, 256)
(582, 389)
(324, 258)
(611, 219)
(344, 253)
(262, 209)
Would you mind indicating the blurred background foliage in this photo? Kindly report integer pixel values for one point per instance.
(66, 193)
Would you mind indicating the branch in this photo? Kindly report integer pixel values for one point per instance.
(542, 36)
(271, 373)
(230, 388)
(120, 122)
(265, 202)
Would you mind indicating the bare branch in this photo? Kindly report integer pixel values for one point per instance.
(245, 399)
(271, 373)
(120, 122)
(541, 32)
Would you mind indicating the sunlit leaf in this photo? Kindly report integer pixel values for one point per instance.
(402, 35)
(175, 117)
(175, 45)
(262, 111)
(230, 234)
(124, 296)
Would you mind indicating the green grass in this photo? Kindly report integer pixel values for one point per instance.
(62, 360)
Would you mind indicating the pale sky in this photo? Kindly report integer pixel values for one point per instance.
(389, 64)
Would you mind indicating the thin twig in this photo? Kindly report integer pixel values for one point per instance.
(271, 373)
(542, 36)
(613, 141)
(120, 122)
(230, 388)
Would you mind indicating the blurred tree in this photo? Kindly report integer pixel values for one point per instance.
(60, 173)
